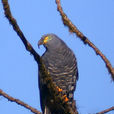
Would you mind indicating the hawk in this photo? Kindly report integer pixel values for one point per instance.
(60, 62)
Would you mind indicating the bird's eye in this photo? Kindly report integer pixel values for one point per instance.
(46, 39)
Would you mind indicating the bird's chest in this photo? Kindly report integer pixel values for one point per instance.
(55, 62)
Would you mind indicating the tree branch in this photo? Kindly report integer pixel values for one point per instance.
(58, 99)
(15, 26)
(72, 28)
(105, 111)
(19, 102)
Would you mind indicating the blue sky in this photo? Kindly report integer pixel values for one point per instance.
(18, 70)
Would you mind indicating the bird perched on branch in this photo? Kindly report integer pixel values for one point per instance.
(61, 64)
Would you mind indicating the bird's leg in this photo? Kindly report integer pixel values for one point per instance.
(59, 89)
(64, 96)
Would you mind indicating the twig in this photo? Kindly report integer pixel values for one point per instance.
(107, 110)
(19, 102)
(72, 28)
(15, 26)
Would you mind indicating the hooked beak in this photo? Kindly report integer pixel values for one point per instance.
(40, 42)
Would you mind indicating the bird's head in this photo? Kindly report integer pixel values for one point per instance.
(50, 41)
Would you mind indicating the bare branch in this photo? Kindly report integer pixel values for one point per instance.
(58, 99)
(19, 102)
(74, 29)
(107, 110)
(15, 26)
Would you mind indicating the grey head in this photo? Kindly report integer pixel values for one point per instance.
(51, 42)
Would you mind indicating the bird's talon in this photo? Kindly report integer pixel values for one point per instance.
(65, 98)
(59, 89)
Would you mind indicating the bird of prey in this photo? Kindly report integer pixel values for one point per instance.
(60, 62)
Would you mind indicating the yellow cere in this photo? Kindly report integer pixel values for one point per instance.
(46, 39)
